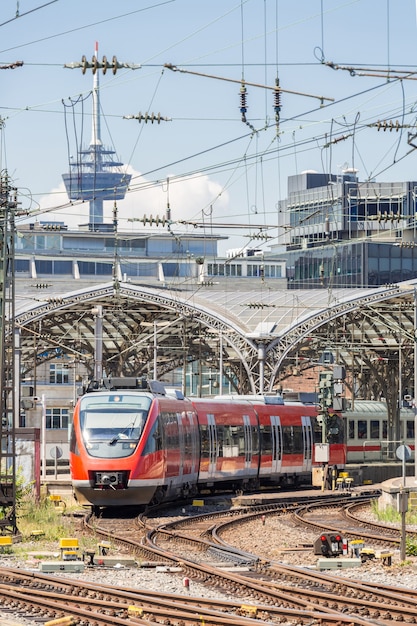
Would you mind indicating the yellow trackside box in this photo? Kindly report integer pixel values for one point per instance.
(5, 542)
(68, 543)
(69, 548)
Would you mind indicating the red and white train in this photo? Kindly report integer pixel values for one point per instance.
(367, 432)
(133, 443)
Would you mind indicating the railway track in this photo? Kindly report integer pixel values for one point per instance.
(267, 592)
(206, 558)
(44, 598)
(348, 521)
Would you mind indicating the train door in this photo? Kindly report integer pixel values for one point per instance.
(181, 457)
(307, 442)
(213, 445)
(276, 444)
(188, 444)
(247, 430)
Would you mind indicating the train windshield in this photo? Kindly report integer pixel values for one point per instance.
(111, 424)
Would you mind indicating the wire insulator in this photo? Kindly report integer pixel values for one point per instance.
(277, 102)
(243, 107)
(94, 64)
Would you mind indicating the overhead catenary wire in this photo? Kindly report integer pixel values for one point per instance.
(19, 15)
(223, 166)
(86, 26)
(278, 154)
(246, 161)
(182, 70)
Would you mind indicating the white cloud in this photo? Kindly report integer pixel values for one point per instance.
(190, 199)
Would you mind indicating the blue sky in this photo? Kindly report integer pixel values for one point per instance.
(206, 163)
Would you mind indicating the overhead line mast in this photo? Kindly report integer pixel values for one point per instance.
(9, 403)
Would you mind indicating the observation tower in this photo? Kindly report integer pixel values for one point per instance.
(95, 176)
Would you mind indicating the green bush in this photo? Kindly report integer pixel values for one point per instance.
(41, 515)
(390, 515)
(410, 546)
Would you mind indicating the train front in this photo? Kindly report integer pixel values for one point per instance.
(105, 446)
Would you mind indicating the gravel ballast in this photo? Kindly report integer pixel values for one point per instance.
(275, 539)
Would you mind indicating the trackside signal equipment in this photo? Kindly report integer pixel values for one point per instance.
(329, 544)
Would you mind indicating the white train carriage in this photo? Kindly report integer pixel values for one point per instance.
(367, 432)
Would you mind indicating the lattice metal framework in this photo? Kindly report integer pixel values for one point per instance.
(7, 360)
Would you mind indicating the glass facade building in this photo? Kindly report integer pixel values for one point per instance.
(347, 233)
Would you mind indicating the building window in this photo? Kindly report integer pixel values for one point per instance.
(273, 271)
(252, 271)
(215, 269)
(233, 269)
(43, 267)
(58, 374)
(57, 418)
(63, 267)
(21, 266)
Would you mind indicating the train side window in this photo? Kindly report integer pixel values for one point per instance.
(171, 430)
(384, 429)
(410, 429)
(221, 439)
(230, 440)
(241, 440)
(287, 439)
(362, 429)
(298, 440)
(292, 439)
(351, 429)
(266, 439)
(374, 434)
(255, 440)
(73, 441)
(204, 440)
(154, 442)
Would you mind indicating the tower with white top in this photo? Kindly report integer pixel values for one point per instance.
(95, 176)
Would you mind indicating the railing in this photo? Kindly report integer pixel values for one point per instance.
(380, 449)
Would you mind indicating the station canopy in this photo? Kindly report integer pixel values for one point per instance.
(257, 338)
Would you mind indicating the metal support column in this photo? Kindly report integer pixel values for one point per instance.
(8, 409)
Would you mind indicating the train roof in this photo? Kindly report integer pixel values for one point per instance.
(372, 407)
(259, 399)
(125, 383)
